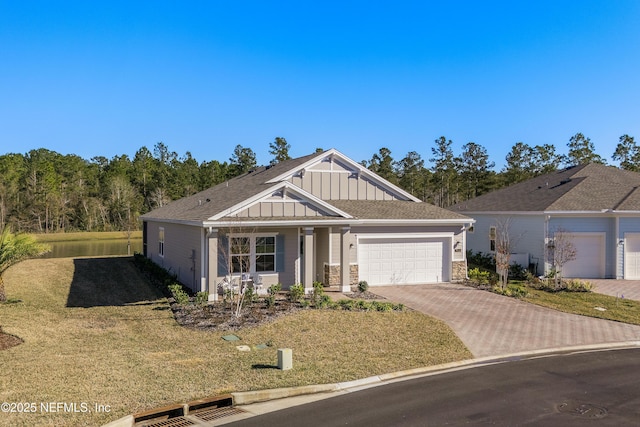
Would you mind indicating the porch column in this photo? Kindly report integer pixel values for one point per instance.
(345, 268)
(212, 273)
(309, 257)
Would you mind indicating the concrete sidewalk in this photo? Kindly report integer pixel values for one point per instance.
(492, 325)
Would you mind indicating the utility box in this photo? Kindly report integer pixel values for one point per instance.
(285, 359)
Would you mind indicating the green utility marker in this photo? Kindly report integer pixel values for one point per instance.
(230, 337)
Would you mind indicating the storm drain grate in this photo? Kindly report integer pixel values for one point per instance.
(217, 413)
(170, 422)
(583, 410)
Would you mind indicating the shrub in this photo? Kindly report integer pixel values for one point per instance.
(179, 295)
(202, 298)
(518, 272)
(516, 291)
(318, 293)
(296, 292)
(325, 302)
(479, 259)
(479, 276)
(363, 286)
(273, 290)
(576, 285)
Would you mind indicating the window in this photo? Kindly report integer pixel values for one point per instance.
(265, 253)
(161, 241)
(252, 254)
(492, 239)
(240, 254)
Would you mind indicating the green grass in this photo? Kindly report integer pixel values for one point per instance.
(86, 235)
(585, 303)
(96, 332)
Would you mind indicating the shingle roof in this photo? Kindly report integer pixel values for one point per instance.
(393, 209)
(210, 202)
(592, 187)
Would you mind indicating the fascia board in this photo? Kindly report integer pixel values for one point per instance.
(572, 213)
(245, 204)
(173, 221)
(417, 221)
(625, 213)
(493, 213)
(330, 222)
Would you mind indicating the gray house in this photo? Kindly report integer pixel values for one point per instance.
(322, 217)
(597, 208)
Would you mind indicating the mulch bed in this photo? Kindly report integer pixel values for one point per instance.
(221, 317)
(8, 340)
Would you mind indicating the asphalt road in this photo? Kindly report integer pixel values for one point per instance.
(593, 389)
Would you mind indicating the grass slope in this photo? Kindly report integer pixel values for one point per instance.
(95, 332)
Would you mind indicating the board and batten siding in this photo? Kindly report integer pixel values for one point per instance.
(182, 251)
(341, 184)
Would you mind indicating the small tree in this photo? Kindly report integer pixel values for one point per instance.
(505, 243)
(561, 250)
(15, 248)
(236, 254)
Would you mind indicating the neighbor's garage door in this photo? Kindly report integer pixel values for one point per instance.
(590, 257)
(632, 256)
(403, 260)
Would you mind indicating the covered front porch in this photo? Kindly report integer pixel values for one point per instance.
(312, 253)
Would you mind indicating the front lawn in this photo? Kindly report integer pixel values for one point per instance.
(97, 333)
(587, 304)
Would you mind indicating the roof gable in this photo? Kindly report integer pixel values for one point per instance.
(264, 192)
(273, 202)
(335, 163)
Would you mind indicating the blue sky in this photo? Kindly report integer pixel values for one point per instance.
(106, 78)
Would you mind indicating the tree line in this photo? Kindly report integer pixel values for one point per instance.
(43, 191)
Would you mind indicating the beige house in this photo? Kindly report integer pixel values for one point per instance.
(322, 217)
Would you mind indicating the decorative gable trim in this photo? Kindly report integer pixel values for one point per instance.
(286, 188)
(357, 169)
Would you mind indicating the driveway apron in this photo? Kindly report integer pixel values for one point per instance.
(494, 325)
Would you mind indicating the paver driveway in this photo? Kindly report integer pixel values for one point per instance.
(617, 288)
(493, 325)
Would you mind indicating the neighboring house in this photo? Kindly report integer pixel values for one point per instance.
(322, 217)
(597, 206)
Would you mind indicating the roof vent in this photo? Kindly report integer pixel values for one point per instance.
(208, 200)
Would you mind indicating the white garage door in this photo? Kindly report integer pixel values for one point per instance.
(403, 260)
(632, 256)
(590, 257)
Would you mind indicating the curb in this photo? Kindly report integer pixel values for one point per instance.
(250, 397)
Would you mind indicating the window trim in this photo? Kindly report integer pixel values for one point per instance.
(161, 240)
(253, 253)
(492, 238)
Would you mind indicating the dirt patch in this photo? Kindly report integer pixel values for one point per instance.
(8, 340)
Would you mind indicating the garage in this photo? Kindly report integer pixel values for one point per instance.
(590, 256)
(406, 260)
(632, 256)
